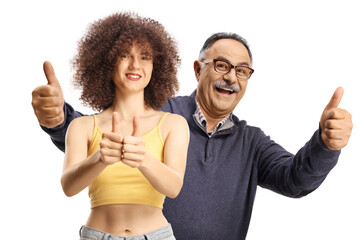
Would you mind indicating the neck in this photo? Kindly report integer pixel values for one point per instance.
(129, 105)
(212, 118)
(211, 123)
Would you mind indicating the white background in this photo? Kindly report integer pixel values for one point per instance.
(302, 51)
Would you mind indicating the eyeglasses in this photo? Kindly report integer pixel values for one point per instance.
(224, 67)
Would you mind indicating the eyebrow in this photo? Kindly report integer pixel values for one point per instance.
(226, 60)
(146, 53)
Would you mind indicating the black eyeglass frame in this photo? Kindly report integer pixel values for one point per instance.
(231, 67)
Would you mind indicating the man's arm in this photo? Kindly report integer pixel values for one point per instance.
(58, 133)
(53, 114)
(298, 175)
(294, 175)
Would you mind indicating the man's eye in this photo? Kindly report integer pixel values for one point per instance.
(241, 70)
(222, 66)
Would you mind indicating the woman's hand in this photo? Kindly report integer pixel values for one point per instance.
(111, 144)
(133, 149)
(114, 147)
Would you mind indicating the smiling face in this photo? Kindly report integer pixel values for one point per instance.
(216, 93)
(133, 70)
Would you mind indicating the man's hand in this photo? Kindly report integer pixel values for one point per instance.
(335, 123)
(48, 100)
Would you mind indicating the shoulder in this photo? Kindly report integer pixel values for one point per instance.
(246, 130)
(174, 120)
(174, 124)
(181, 101)
(84, 120)
(183, 105)
(174, 116)
(83, 124)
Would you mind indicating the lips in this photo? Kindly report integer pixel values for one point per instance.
(133, 76)
(225, 88)
(225, 91)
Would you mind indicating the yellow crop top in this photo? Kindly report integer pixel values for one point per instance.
(119, 183)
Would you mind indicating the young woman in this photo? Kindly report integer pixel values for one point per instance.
(130, 155)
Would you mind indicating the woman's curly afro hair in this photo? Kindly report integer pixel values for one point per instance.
(113, 36)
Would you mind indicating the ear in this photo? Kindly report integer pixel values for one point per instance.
(197, 69)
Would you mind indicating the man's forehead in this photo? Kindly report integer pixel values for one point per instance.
(230, 49)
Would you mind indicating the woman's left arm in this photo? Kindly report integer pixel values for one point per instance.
(165, 177)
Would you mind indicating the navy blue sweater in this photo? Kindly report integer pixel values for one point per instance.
(224, 170)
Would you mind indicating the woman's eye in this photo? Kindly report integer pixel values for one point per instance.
(146, 58)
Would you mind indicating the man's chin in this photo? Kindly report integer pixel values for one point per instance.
(224, 107)
(222, 110)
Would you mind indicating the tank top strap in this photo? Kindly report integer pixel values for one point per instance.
(96, 128)
(95, 121)
(96, 137)
(162, 118)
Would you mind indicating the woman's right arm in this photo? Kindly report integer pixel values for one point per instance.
(79, 169)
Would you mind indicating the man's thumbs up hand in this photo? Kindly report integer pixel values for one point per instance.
(50, 75)
(335, 123)
(48, 100)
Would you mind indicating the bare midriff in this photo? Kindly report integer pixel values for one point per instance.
(126, 219)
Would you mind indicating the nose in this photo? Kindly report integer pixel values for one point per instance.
(230, 77)
(134, 63)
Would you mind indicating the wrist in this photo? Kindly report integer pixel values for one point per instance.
(98, 159)
(146, 163)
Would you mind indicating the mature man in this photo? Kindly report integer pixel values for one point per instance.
(227, 159)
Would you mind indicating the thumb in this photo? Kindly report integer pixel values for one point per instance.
(115, 123)
(50, 74)
(335, 99)
(136, 127)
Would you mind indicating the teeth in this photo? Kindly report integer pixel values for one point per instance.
(133, 76)
(222, 85)
(227, 89)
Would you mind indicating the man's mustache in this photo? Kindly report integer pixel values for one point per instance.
(226, 86)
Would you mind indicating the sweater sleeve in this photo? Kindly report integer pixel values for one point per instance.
(57, 134)
(294, 175)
